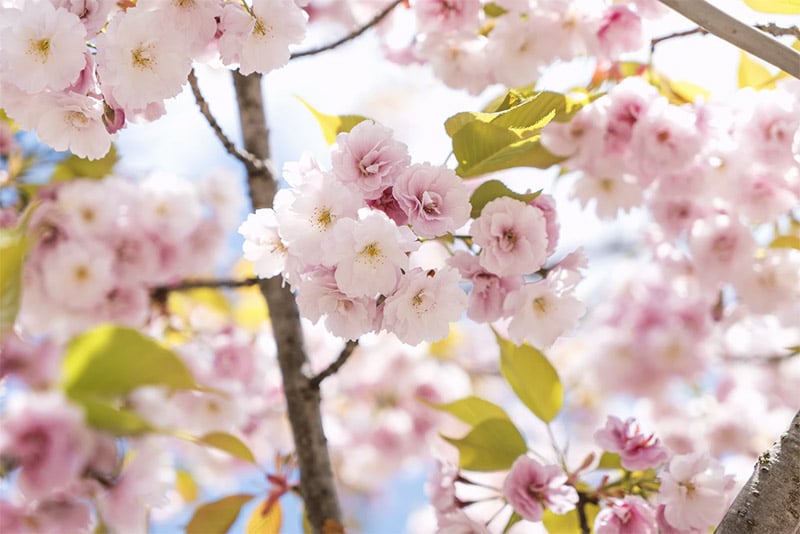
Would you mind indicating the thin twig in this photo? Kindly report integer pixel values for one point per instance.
(778, 31)
(159, 293)
(693, 31)
(350, 36)
(250, 161)
(335, 365)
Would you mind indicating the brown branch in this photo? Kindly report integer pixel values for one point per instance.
(337, 364)
(317, 484)
(770, 501)
(350, 36)
(738, 34)
(159, 293)
(655, 42)
(778, 31)
(249, 160)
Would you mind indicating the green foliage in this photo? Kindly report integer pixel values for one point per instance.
(74, 167)
(472, 410)
(508, 136)
(13, 245)
(265, 520)
(491, 445)
(781, 7)
(786, 241)
(610, 460)
(106, 363)
(218, 516)
(228, 443)
(532, 377)
(492, 189)
(493, 10)
(332, 125)
(513, 520)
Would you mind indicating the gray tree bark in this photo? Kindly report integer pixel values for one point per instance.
(769, 502)
(317, 483)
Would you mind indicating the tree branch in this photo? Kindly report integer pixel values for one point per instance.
(778, 31)
(335, 365)
(317, 484)
(159, 293)
(656, 41)
(770, 501)
(350, 36)
(249, 160)
(738, 34)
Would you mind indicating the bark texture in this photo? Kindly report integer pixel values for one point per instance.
(317, 483)
(738, 34)
(770, 501)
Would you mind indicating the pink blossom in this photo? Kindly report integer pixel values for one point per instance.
(459, 60)
(78, 275)
(194, 20)
(140, 61)
(447, 15)
(45, 517)
(37, 363)
(629, 515)
(46, 436)
(627, 102)
(368, 254)
(74, 122)
(620, 31)
(369, 158)
(541, 312)
(582, 138)
(92, 13)
(531, 487)
(457, 522)
(637, 450)
(441, 488)
(665, 139)
(488, 292)
(424, 305)
(547, 205)
(722, 248)
(434, 198)
(769, 126)
(524, 44)
(42, 49)
(695, 491)
(389, 205)
(773, 283)
(263, 244)
(512, 236)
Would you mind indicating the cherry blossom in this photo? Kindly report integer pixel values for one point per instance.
(434, 198)
(531, 488)
(638, 451)
(263, 244)
(629, 515)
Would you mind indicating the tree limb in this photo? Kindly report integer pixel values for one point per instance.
(769, 502)
(656, 41)
(335, 365)
(738, 34)
(317, 484)
(350, 36)
(778, 31)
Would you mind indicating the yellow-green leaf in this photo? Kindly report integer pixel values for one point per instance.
(513, 520)
(472, 410)
(265, 521)
(532, 377)
(333, 125)
(781, 7)
(610, 460)
(569, 523)
(492, 189)
(110, 361)
(228, 443)
(218, 516)
(106, 416)
(74, 167)
(492, 445)
(186, 486)
(13, 246)
(786, 241)
(753, 74)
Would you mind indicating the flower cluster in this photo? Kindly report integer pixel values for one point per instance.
(349, 240)
(472, 44)
(77, 71)
(102, 245)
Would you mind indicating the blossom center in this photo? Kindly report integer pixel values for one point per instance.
(81, 273)
(261, 28)
(142, 58)
(40, 48)
(372, 253)
(76, 119)
(508, 239)
(540, 304)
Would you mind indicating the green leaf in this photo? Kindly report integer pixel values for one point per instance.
(105, 416)
(532, 377)
(569, 523)
(228, 443)
(493, 189)
(333, 125)
(472, 410)
(13, 246)
(492, 445)
(786, 241)
(74, 167)
(218, 516)
(610, 460)
(753, 74)
(491, 141)
(513, 520)
(493, 10)
(111, 361)
(268, 522)
(781, 7)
